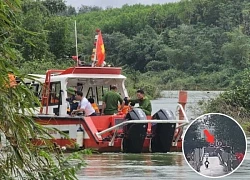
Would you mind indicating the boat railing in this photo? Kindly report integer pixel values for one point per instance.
(181, 123)
(180, 126)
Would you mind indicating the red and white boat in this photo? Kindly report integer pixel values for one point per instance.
(131, 133)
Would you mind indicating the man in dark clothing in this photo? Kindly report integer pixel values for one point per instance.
(144, 102)
(73, 103)
(110, 101)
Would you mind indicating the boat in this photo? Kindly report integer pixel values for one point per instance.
(133, 132)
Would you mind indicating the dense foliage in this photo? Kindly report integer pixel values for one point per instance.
(193, 44)
(19, 157)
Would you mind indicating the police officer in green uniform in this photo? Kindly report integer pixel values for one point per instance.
(110, 101)
(144, 102)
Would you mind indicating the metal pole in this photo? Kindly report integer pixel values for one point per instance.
(77, 60)
(182, 101)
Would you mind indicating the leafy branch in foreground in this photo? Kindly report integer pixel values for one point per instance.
(22, 159)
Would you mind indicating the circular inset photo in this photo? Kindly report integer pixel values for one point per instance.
(214, 145)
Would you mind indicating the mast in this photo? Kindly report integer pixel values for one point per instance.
(93, 56)
(77, 59)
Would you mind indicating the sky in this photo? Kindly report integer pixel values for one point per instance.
(114, 3)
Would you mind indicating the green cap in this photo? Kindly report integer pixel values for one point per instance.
(71, 90)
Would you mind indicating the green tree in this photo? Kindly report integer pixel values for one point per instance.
(85, 9)
(141, 50)
(237, 51)
(55, 6)
(32, 42)
(22, 159)
(157, 66)
(58, 36)
(70, 11)
(112, 42)
(29, 5)
(246, 19)
(230, 14)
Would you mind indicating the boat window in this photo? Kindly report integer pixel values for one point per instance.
(79, 86)
(101, 90)
(35, 88)
(97, 93)
(90, 93)
(55, 90)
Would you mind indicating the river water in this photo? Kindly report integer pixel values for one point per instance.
(155, 166)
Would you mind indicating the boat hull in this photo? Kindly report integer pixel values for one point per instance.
(107, 142)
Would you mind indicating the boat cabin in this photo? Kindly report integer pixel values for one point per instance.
(92, 81)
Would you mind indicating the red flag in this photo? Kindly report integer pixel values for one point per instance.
(100, 51)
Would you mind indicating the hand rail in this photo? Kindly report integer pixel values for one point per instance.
(139, 122)
(180, 126)
(185, 121)
(183, 111)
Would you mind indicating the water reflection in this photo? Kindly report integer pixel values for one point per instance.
(148, 166)
(130, 165)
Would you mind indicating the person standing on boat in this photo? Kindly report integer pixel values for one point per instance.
(84, 105)
(73, 103)
(110, 101)
(144, 102)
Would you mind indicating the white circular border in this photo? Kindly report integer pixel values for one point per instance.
(201, 173)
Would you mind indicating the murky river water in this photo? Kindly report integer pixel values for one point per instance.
(154, 166)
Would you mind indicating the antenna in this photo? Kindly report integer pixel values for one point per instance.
(77, 60)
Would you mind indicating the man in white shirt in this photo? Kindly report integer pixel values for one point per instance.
(84, 105)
